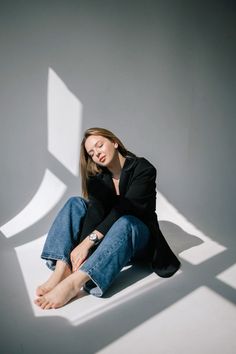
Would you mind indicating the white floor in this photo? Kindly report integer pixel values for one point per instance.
(193, 312)
(201, 322)
(87, 306)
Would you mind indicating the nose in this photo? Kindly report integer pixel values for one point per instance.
(97, 152)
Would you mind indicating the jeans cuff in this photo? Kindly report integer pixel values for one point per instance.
(92, 287)
(52, 260)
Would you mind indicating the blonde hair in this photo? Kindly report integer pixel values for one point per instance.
(87, 166)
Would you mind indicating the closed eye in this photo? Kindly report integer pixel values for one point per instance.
(99, 145)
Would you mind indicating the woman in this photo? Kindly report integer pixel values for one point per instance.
(94, 237)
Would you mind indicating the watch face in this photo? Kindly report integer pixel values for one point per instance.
(93, 237)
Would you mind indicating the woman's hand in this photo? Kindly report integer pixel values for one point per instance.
(80, 254)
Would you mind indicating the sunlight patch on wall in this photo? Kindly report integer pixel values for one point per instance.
(64, 123)
(47, 196)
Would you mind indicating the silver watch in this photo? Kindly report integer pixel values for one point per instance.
(94, 238)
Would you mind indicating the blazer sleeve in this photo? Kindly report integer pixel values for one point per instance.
(98, 207)
(94, 215)
(139, 200)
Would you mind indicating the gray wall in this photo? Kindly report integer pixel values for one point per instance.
(160, 74)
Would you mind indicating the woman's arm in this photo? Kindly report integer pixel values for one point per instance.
(94, 215)
(104, 206)
(139, 200)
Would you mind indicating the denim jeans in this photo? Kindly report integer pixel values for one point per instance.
(127, 240)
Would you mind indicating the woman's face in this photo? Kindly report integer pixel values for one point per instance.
(101, 150)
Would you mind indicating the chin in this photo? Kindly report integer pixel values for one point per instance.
(103, 164)
(106, 163)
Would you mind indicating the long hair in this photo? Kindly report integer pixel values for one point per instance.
(87, 166)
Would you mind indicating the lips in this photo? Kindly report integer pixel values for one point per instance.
(102, 159)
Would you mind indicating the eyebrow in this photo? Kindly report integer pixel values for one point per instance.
(99, 141)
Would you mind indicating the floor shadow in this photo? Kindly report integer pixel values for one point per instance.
(128, 277)
(177, 238)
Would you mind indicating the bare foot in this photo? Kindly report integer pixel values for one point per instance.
(66, 290)
(61, 272)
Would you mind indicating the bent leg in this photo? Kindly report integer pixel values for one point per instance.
(63, 235)
(127, 238)
(61, 240)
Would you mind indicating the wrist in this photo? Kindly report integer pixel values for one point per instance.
(93, 239)
(100, 235)
(88, 243)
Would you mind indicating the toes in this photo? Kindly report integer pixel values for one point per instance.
(38, 301)
(44, 303)
(48, 306)
(41, 302)
(39, 291)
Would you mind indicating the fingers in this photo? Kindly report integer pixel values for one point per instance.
(74, 259)
(77, 263)
(78, 256)
(75, 266)
(75, 256)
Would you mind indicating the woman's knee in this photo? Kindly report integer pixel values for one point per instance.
(128, 220)
(76, 202)
(128, 224)
(132, 230)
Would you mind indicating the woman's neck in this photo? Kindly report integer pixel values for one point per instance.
(117, 166)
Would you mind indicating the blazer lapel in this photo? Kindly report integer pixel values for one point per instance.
(126, 173)
(124, 177)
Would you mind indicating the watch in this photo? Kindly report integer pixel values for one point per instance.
(94, 238)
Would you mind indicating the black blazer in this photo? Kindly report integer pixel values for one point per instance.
(137, 197)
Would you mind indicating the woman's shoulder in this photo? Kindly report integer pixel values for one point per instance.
(133, 163)
(138, 162)
(139, 167)
(145, 162)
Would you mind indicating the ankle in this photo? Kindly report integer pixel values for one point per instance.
(78, 280)
(62, 267)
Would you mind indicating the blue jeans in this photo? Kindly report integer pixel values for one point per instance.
(127, 240)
